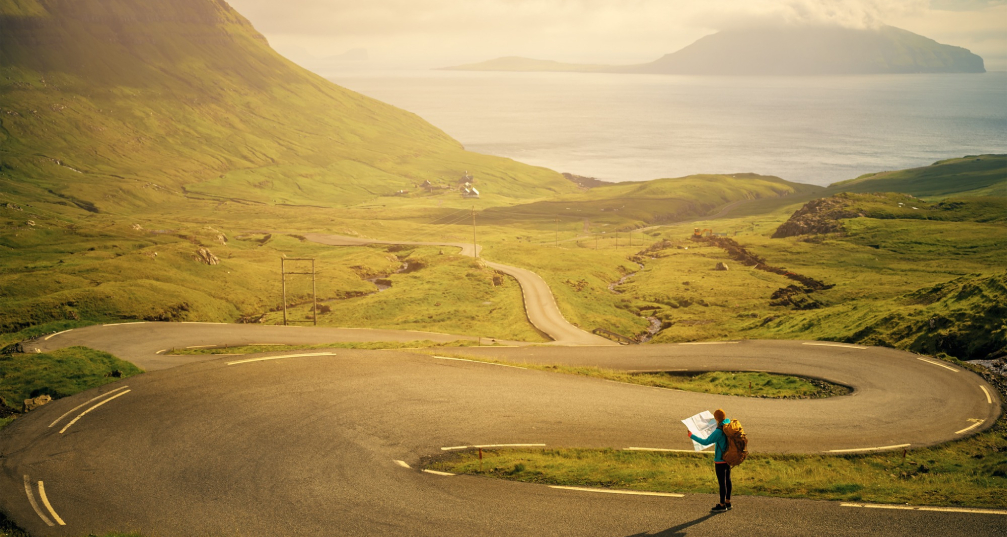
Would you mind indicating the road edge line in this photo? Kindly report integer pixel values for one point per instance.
(34, 504)
(971, 510)
(72, 410)
(90, 409)
(627, 492)
(45, 500)
(280, 357)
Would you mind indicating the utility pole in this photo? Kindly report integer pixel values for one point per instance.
(475, 251)
(314, 290)
(283, 284)
(557, 232)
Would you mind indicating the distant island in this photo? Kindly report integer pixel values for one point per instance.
(790, 50)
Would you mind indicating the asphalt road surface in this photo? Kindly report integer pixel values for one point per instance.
(280, 444)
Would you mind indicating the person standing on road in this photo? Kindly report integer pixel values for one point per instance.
(722, 469)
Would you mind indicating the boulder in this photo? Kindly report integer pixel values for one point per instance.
(721, 266)
(205, 256)
(32, 404)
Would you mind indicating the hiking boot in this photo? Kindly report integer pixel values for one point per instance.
(719, 508)
(729, 506)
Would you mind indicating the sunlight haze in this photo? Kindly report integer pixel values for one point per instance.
(437, 33)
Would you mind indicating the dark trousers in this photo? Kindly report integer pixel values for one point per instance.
(724, 480)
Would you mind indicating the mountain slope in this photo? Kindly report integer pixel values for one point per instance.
(125, 103)
(983, 175)
(811, 50)
(790, 50)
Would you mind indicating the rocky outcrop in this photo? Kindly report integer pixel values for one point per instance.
(205, 256)
(32, 404)
(816, 217)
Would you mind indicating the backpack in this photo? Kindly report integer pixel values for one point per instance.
(737, 443)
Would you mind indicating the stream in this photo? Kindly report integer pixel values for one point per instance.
(655, 324)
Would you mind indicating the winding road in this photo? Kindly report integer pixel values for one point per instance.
(329, 442)
(540, 304)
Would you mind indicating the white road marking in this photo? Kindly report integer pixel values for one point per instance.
(74, 409)
(198, 322)
(34, 504)
(452, 448)
(90, 409)
(475, 361)
(938, 509)
(124, 324)
(840, 345)
(867, 449)
(938, 364)
(403, 464)
(45, 500)
(989, 400)
(281, 357)
(160, 351)
(709, 343)
(509, 445)
(667, 450)
(970, 427)
(609, 491)
(435, 472)
(50, 336)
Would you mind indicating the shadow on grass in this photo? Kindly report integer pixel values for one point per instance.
(676, 531)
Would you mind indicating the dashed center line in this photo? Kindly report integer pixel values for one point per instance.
(867, 449)
(476, 362)
(970, 427)
(666, 450)
(435, 472)
(610, 491)
(709, 343)
(81, 415)
(50, 336)
(840, 345)
(34, 504)
(923, 508)
(280, 357)
(989, 400)
(45, 500)
(403, 464)
(451, 448)
(91, 400)
(938, 364)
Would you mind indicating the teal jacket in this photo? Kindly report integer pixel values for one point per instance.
(717, 436)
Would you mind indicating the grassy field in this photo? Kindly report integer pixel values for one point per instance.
(971, 472)
(60, 373)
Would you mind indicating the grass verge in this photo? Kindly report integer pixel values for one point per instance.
(969, 472)
(60, 373)
(742, 383)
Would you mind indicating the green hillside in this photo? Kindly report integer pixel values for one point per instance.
(967, 176)
(654, 202)
(119, 104)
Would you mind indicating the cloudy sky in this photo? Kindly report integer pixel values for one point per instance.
(437, 33)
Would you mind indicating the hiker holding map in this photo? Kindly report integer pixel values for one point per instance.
(706, 429)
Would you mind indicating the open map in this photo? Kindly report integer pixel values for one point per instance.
(701, 425)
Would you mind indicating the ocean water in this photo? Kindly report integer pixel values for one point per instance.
(815, 130)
